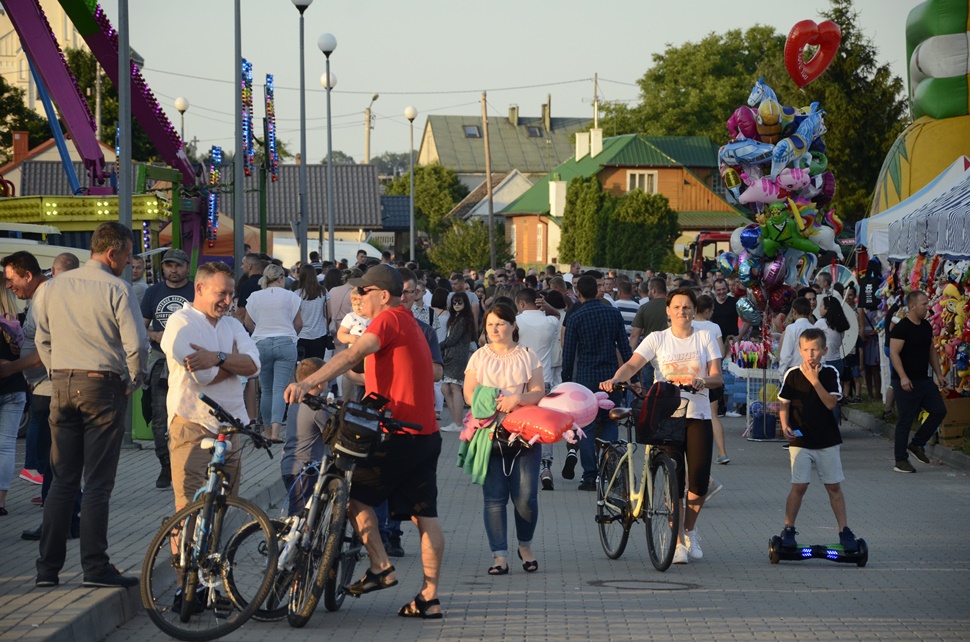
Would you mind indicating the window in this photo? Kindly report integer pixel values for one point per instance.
(535, 132)
(472, 131)
(539, 243)
(644, 181)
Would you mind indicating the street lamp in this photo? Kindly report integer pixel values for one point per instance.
(301, 6)
(411, 113)
(367, 130)
(182, 105)
(328, 43)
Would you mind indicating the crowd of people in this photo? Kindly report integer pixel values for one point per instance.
(433, 344)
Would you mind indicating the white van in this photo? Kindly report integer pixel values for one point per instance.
(45, 253)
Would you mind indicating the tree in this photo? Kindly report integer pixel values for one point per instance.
(583, 231)
(436, 192)
(465, 244)
(16, 116)
(392, 163)
(641, 230)
(83, 65)
(692, 89)
(340, 158)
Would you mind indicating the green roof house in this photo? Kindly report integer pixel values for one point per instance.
(682, 168)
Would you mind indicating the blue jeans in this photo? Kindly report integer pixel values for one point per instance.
(514, 477)
(11, 410)
(277, 361)
(924, 395)
(603, 428)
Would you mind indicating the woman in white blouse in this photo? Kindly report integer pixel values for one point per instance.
(273, 316)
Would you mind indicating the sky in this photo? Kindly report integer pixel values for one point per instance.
(438, 56)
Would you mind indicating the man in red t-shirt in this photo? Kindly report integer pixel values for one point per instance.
(403, 469)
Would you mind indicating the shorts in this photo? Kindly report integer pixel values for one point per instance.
(827, 461)
(402, 470)
(189, 461)
(716, 394)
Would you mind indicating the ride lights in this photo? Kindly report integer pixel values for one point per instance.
(272, 153)
(215, 163)
(247, 116)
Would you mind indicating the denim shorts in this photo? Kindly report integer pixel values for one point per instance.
(827, 461)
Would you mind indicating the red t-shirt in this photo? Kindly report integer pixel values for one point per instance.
(401, 370)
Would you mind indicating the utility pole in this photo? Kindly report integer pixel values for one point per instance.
(97, 101)
(488, 186)
(596, 101)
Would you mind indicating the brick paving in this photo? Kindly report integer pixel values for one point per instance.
(915, 586)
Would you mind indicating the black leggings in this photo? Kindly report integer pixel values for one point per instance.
(698, 448)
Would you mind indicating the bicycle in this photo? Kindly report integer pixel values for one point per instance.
(322, 548)
(190, 557)
(620, 503)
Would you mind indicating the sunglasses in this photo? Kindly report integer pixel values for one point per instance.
(362, 291)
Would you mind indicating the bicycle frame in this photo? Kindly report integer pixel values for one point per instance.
(645, 490)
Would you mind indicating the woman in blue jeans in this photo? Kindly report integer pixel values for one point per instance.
(513, 472)
(273, 316)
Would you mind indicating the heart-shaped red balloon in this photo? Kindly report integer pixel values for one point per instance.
(826, 36)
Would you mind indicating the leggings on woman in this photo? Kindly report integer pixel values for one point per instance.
(700, 441)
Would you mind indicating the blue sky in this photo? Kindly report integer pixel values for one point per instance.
(438, 56)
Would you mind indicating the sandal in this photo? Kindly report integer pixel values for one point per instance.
(498, 570)
(529, 567)
(371, 582)
(419, 608)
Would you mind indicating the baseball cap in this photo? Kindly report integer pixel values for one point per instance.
(176, 255)
(381, 276)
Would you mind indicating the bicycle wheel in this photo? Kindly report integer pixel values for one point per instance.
(342, 570)
(248, 541)
(311, 571)
(173, 563)
(663, 511)
(613, 502)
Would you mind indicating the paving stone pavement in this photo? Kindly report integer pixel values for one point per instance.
(914, 587)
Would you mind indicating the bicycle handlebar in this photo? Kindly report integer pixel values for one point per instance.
(387, 422)
(623, 386)
(235, 425)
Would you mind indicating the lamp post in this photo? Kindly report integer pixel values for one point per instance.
(301, 6)
(411, 113)
(182, 105)
(367, 129)
(328, 43)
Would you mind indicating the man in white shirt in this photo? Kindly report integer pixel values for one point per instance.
(206, 351)
(573, 272)
(539, 333)
(788, 354)
(626, 305)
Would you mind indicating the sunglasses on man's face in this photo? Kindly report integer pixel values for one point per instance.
(361, 291)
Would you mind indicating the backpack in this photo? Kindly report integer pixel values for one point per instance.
(656, 423)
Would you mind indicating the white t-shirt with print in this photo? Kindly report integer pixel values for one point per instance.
(680, 361)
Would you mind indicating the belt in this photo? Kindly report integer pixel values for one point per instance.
(94, 374)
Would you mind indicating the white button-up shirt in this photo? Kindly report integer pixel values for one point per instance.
(189, 326)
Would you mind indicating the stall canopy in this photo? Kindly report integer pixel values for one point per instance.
(873, 232)
(939, 226)
(224, 241)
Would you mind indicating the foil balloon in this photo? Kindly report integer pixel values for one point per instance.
(750, 237)
(749, 272)
(780, 298)
(757, 295)
(727, 263)
(801, 266)
(736, 246)
(775, 272)
(747, 311)
(825, 35)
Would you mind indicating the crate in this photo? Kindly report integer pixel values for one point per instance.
(955, 429)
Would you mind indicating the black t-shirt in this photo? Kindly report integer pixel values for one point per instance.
(249, 285)
(807, 413)
(15, 382)
(725, 315)
(160, 302)
(915, 355)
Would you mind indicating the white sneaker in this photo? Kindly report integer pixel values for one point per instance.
(693, 539)
(452, 427)
(680, 554)
(731, 413)
(713, 489)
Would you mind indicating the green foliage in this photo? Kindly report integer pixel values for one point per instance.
(641, 226)
(436, 192)
(465, 244)
(83, 65)
(391, 163)
(16, 116)
(340, 158)
(693, 88)
(585, 219)
(671, 263)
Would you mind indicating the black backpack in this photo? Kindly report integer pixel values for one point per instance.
(656, 423)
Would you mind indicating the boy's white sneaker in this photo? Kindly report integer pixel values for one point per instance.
(693, 542)
(680, 554)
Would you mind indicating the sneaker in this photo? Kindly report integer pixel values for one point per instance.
(693, 542)
(721, 414)
(33, 479)
(788, 537)
(164, 478)
(37, 501)
(197, 607)
(903, 466)
(732, 414)
(452, 427)
(112, 578)
(723, 459)
(545, 476)
(848, 541)
(587, 485)
(569, 467)
(45, 581)
(919, 453)
(393, 547)
(714, 488)
(680, 554)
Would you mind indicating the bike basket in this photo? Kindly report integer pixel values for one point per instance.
(359, 429)
(661, 416)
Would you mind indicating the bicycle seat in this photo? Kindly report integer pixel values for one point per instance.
(209, 443)
(617, 414)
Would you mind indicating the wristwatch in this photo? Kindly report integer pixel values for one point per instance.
(222, 358)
